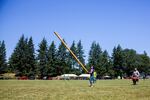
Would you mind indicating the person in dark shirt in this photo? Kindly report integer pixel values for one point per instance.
(91, 72)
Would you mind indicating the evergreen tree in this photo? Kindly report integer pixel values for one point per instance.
(31, 58)
(3, 64)
(42, 59)
(80, 55)
(11, 66)
(52, 60)
(94, 55)
(103, 64)
(69, 63)
(91, 58)
(62, 60)
(73, 62)
(118, 61)
(18, 60)
(109, 68)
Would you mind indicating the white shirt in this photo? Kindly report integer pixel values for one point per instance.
(136, 73)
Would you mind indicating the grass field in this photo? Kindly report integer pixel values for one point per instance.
(73, 90)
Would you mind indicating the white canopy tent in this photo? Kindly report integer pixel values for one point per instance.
(69, 75)
(84, 75)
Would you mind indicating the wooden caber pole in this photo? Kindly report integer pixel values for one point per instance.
(71, 52)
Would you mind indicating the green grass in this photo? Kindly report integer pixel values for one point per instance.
(73, 90)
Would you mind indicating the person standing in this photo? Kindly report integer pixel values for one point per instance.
(95, 75)
(91, 72)
(135, 76)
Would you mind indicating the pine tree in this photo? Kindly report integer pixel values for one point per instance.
(94, 55)
(31, 59)
(109, 68)
(3, 64)
(102, 63)
(80, 55)
(69, 64)
(72, 60)
(52, 60)
(18, 60)
(91, 58)
(118, 61)
(42, 59)
(62, 60)
(105, 64)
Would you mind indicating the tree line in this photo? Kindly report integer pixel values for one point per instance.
(51, 61)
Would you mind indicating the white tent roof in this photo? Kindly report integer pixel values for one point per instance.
(84, 75)
(69, 75)
(106, 76)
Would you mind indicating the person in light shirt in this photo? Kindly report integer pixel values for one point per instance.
(135, 76)
(95, 75)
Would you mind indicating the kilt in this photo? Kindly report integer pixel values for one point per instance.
(135, 78)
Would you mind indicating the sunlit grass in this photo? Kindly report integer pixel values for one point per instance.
(73, 90)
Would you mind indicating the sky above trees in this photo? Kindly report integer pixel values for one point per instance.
(109, 23)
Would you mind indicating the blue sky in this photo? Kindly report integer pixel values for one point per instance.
(108, 22)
